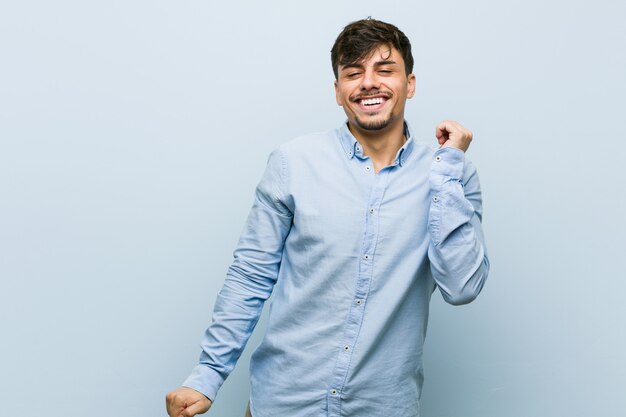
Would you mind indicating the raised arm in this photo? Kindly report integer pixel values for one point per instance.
(457, 251)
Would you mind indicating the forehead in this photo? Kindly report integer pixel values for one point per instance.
(379, 54)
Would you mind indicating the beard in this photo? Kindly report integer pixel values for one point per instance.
(374, 125)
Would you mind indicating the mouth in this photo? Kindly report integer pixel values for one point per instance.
(371, 104)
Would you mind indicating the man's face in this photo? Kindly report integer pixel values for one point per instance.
(373, 91)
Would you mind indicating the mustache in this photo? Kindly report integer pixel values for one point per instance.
(371, 93)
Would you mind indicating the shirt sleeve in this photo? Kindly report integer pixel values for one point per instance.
(457, 251)
(249, 281)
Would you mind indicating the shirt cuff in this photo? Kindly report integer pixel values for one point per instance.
(448, 164)
(205, 380)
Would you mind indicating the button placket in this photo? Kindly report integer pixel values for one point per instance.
(354, 319)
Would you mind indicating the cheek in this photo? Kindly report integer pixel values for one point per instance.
(341, 97)
(340, 100)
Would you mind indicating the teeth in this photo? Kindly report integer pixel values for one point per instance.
(372, 101)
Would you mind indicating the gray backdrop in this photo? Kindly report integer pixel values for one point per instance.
(133, 133)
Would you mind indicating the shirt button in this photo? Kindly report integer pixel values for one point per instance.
(371, 211)
(346, 348)
(366, 257)
(435, 199)
(438, 158)
(358, 302)
(368, 168)
(358, 148)
(333, 392)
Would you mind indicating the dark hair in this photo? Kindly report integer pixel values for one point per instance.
(360, 38)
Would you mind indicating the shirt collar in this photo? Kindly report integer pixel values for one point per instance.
(352, 147)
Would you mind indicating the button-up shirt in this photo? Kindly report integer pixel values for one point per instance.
(351, 258)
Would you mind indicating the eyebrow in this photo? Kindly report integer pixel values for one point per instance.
(376, 64)
(384, 62)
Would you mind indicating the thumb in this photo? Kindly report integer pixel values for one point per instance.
(442, 132)
(199, 407)
(441, 128)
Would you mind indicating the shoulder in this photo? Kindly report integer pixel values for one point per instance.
(309, 142)
(310, 147)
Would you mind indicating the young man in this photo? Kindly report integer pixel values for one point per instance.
(352, 230)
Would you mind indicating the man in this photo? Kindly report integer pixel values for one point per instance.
(351, 230)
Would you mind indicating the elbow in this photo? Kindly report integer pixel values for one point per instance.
(461, 298)
(468, 292)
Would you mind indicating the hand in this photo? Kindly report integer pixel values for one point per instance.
(186, 402)
(450, 133)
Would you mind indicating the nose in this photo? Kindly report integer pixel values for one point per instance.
(370, 80)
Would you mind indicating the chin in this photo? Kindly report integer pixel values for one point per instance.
(373, 125)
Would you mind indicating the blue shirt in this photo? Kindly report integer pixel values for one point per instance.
(352, 258)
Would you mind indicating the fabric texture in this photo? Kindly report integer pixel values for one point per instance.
(351, 258)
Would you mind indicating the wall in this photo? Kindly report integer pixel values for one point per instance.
(132, 134)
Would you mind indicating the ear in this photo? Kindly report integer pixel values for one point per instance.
(337, 95)
(412, 81)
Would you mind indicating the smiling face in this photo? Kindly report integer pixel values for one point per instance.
(374, 90)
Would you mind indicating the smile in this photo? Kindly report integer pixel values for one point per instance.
(372, 104)
(372, 101)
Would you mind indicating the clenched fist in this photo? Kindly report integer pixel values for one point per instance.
(450, 133)
(186, 402)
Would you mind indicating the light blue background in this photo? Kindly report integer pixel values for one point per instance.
(132, 134)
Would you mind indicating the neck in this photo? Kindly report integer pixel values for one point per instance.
(382, 145)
